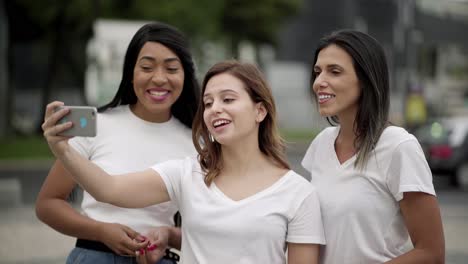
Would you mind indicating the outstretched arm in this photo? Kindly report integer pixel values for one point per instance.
(132, 190)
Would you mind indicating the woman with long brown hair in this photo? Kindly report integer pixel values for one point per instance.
(239, 200)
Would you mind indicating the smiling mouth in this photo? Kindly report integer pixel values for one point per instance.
(322, 98)
(158, 93)
(220, 123)
(158, 96)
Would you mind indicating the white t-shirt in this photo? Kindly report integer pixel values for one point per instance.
(361, 214)
(254, 230)
(126, 143)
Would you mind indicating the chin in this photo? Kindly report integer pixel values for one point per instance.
(325, 113)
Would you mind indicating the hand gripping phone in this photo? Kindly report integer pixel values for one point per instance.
(84, 121)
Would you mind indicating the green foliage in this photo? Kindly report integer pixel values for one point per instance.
(77, 15)
(257, 21)
(298, 136)
(194, 18)
(24, 148)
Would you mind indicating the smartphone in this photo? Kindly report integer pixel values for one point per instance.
(84, 121)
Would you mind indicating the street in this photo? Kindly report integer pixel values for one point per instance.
(26, 240)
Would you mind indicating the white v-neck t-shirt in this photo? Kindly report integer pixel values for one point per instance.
(217, 229)
(361, 214)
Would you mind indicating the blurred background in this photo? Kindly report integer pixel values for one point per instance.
(73, 51)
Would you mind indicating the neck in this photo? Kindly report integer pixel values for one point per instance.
(243, 157)
(141, 113)
(347, 134)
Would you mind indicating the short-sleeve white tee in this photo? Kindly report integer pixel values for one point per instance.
(125, 143)
(217, 229)
(361, 214)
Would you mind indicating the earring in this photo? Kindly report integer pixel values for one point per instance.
(211, 138)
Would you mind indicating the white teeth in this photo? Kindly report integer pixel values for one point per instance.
(325, 96)
(158, 93)
(220, 122)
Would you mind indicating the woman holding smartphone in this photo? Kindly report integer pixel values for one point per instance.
(239, 200)
(148, 121)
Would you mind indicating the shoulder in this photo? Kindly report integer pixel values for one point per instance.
(298, 183)
(323, 137)
(327, 133)
(396, 133)
(393, 137)
(320, 141)
(187, 165)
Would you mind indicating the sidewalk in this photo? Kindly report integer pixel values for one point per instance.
(27, 240)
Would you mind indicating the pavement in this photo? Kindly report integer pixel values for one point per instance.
(27, 240)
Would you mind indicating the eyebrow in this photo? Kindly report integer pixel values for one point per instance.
(329, 66)
(167, 60)
(222, 91)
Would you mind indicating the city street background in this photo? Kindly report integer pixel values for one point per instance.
(27, 240)
(73, 51)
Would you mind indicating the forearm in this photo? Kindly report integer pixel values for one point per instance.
(62, 217)
(92, 178)
(175, 237)
(419, 256)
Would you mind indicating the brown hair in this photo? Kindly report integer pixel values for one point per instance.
(269, 139)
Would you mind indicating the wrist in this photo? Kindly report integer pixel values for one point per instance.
(96, 231)
(173, 236)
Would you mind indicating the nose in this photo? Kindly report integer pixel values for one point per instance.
(319, 83)
(216, 107)
(159, 77)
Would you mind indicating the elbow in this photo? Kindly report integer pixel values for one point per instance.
(438, 254)
(102, 198)
(40, 210)
(435, 256)
(439, 258)
(105, 196)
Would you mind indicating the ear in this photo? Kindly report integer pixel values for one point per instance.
(261, 112)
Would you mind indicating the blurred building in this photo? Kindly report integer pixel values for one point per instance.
(425, 42)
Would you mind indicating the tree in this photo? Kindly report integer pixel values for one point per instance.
(255, 21)
(65, 27)
(61, 29)
(5, 111)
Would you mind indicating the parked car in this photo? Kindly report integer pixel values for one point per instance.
(445, 144)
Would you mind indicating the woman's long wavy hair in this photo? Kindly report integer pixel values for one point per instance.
(371, 69)
(186, 105)
(269, 139)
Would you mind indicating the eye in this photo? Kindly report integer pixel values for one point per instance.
(146, 68)
(228, 100)
(172, 70)
(208, 104)
(335, 71)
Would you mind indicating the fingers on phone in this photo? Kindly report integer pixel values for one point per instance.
(50, 109)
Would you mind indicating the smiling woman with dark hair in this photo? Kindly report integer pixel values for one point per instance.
(148, 121)
(374, 184)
